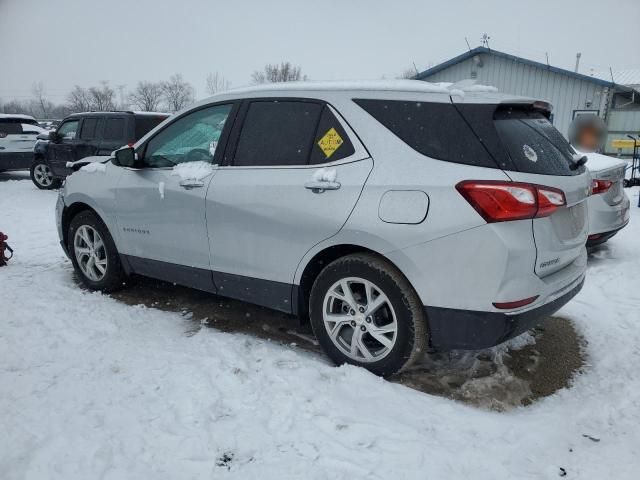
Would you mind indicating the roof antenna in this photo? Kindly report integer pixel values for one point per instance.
(415, 68)
(468, 46)
(611, 72)
(578, 55)
(485, 40)
(547, 55)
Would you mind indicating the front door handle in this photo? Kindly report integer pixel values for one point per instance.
(320, 187)
(191, 184)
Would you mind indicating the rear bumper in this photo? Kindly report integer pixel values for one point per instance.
(452, 329)
(15, 160)
(605, 218)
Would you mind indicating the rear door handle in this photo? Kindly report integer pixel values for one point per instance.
(319, 187)
(191, 184)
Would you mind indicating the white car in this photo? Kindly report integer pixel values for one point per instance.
(373, 208)
(17, 138)
(608, 204)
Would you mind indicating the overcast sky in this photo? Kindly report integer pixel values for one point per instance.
(68, 42)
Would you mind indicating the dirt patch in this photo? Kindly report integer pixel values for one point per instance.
(532, 366)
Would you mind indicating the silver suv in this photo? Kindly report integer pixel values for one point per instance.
(396, 216)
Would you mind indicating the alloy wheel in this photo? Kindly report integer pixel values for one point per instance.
(42, 174)
(90, 253)
(360, 319)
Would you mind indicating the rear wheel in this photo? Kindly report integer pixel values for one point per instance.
(42, 177)
(94, 254)
(364, 312)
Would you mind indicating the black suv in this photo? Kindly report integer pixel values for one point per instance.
(83, 135)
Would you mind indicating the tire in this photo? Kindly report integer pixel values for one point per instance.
(42, 177)
(398, 315)
(104, 272)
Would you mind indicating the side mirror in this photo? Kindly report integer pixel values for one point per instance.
(125, 157)
(54, 137)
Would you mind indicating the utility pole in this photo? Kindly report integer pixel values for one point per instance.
(121, 91)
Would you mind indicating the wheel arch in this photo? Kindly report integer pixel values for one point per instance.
(69, 212)
(316, 264)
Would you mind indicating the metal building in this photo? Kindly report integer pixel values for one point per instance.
(570, 93)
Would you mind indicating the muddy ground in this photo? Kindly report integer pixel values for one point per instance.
(534, 366)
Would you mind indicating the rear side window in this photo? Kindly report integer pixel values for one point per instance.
(331, 142)
(89, 129)
(436, 130)
(114, 129)
(533, 143)
(9, 127)
(146, 123)
(277, 133)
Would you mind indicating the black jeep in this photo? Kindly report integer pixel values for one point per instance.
(83, 135)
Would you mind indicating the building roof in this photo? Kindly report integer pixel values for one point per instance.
(525, 61)
(629, 77)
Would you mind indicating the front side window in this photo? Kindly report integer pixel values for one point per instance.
(67, 130)
(277, 133)
(191, 138)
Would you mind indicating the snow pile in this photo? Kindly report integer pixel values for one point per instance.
(93, 388)
(325, 175)
(94, 167)
(193, 170)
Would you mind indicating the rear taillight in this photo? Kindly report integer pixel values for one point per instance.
(506, 201)
(600, 186)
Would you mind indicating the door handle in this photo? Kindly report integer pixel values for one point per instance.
(320, 187)
(191, 184)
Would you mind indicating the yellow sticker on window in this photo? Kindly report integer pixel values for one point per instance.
(330, 142)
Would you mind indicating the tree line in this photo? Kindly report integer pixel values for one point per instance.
(170, 96)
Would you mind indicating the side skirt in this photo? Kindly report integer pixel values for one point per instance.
(266, 293)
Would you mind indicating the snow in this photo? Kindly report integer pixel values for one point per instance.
(193, 170)
(596, 162)
(93, 388)
(161, 189)
(94, 167)
(325, 175)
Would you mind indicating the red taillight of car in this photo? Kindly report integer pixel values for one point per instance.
(600, 186)
(499, 201)
(516, 304)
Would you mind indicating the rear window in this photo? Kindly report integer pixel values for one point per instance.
(277, 133)
(146, 123)
(88, 130)
(533, 143)
(114, 129)
(10, 127)
(436, 130)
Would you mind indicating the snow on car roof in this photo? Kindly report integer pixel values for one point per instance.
(16, 115)
(384, 85)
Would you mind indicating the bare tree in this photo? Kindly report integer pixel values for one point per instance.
(217, 83)
(102, 98)
(273, 73)
(40, 101)
(16, 106)
(79, 99)
(408, 73)
(147, 96)
(177, 92)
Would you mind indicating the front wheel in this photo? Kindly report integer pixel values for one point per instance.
(94, 254)
(42, 177)
(364, 312)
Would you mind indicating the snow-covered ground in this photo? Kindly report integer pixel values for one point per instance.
(93, 388)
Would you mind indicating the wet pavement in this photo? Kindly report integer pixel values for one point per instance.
(530, 367)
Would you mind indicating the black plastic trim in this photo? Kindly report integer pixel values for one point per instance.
(452, 329)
